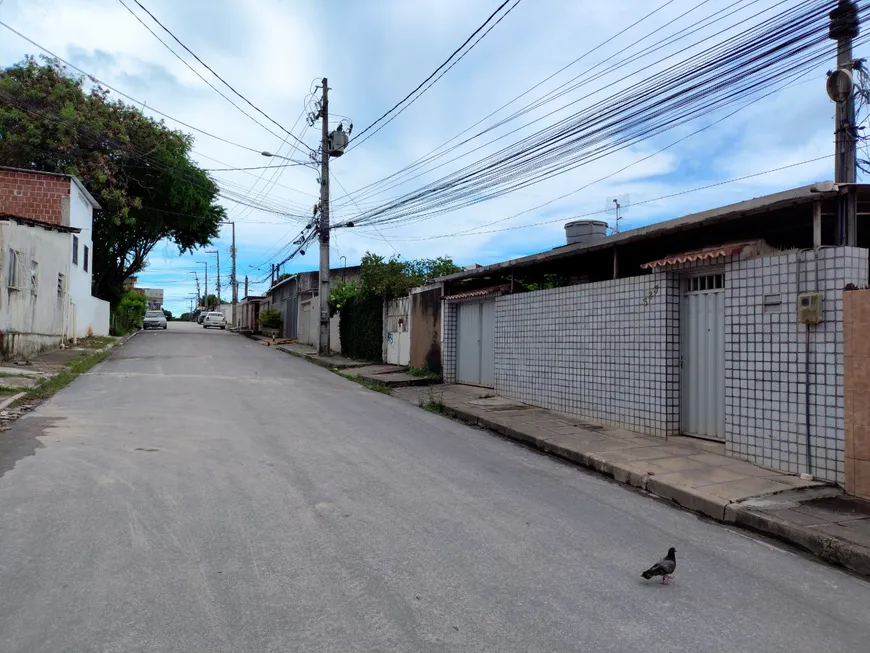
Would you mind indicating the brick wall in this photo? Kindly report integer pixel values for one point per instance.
(608, 351)
(856, 327)
(35, 196)
(766, 354)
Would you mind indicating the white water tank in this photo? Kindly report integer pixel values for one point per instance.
(585, 231)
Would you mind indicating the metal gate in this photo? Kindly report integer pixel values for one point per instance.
(291, 317)
(397, 343)
(475, 346)
(702, 359)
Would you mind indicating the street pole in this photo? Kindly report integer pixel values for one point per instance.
(323, 342)
(233, 278)
(246, 285)
(218, 285)
(272, 276)
(843, 29)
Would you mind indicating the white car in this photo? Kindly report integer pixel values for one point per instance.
(154, 320)
(214, 320)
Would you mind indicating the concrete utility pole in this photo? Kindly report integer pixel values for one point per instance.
(323, 342)
(246, 285)
(233, 278)
(843, 29)
(272, 275)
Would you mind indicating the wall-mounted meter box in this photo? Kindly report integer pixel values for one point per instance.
(809, 308)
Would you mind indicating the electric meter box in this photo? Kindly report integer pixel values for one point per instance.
(809, 308)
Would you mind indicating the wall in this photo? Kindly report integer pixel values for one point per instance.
(32, 317)
(35, 196)
(90, 312)
(608, 351)
(765, 360)
(856, 344)
(425, 324)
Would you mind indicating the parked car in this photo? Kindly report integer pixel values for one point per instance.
(201, 316)
(214, 320)
(154, 320)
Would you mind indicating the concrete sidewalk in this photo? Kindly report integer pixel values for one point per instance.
(692, 473)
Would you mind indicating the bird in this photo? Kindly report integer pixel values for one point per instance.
(664, 567)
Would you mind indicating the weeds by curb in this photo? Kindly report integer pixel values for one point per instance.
(75, 368)
(377, 387)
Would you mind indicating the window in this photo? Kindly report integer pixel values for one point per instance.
(85, 260)
(34, 276)
(75, 250)
(60, 284)
(14, 275)
(707, 282)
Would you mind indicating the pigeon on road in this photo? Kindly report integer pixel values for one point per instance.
(664, 567)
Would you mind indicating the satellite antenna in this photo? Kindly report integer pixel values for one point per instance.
(618, 206)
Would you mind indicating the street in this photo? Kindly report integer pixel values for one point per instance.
(201, 492)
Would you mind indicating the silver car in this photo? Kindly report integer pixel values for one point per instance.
(154, 320)
(214, 320)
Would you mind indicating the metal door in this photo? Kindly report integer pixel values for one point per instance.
(702, 386)
(291, 324)
(475, 346)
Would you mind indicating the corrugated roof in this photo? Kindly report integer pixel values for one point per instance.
(480, 292)
(698, 255)
(30, 222)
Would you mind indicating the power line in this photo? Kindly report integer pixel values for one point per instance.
(227, 84)
(360, 210)
(286, 165)
(435, 72)
(193, 70)
(608, 210)
(124, 95)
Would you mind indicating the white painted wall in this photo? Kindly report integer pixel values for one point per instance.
(32, 315)
(397, 334)
(90, 315)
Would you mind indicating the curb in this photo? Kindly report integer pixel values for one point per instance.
(321, 362)
(11, 400)
(834, 550)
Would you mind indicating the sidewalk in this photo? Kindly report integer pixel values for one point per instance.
(692, 473)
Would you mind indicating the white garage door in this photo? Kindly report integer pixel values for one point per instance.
(475, 346)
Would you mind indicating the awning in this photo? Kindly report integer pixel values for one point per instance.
(699, 255)
(479, 293)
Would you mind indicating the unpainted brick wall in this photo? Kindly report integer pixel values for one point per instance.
(35, 196)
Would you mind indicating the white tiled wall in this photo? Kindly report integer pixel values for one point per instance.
(765, 355)
(608, 351)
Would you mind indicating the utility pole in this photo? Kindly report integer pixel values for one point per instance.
(843, 29)
(323, 342)
(272, 276)
(233, 278)
(246, 285)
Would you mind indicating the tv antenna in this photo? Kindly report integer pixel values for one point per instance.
(618, 206)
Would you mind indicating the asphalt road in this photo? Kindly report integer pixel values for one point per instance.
(200, 492)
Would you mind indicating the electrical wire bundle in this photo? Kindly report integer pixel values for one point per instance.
(775, 51)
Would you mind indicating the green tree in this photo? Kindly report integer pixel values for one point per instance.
(391, 278)
(138, 169)
(210, 302)
(184, 317)
(168, 314)
(271, 319)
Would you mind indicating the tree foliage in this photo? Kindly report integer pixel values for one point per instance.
(168, 314)
(210, 301)
(184, 317)
(137, 168)
(271, 319)
(391, 278)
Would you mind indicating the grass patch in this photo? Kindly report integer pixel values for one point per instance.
(434, 403)
(377, 387)
(424, 373)
(76, 367)
(5, 392)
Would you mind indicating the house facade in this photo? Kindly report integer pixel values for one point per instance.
(51, 206)
(297, 298)
(725, 325)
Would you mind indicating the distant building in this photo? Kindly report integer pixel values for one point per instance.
(130, 283)
(153, 297)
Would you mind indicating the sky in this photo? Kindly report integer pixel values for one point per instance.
(374, 52)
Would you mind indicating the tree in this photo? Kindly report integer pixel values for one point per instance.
(168, 314)
(391, 278)
(184, 317)
(138, 169)
(211, 301)
(281, 277)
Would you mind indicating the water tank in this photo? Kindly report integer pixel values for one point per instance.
(585, 231)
